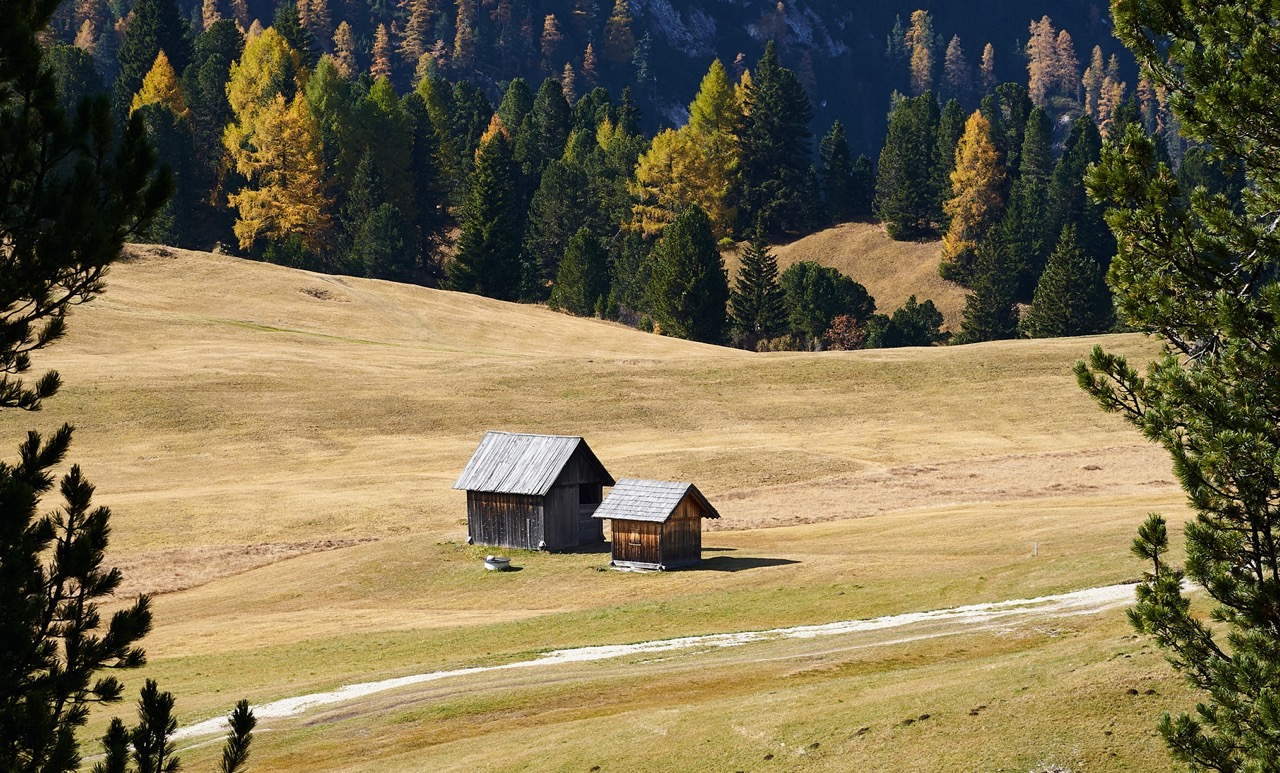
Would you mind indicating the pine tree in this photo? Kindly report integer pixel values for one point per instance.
(950, 129)
(517, 101)
(582, 280)
(774, 146)
(488, 257)
(1072, 297)
(905, 199)
(383, 246)
(976, 201)
(757, 305)
(542, 137)
(429, 189)
(1195, 273)
(620, 42)
(837, 175)
(688, 289)
(863, 189)
(912, 324)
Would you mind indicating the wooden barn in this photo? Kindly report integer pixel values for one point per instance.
(655, 524)
(536, 492)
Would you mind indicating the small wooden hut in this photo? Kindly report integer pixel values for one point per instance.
(655, 524)
(536, 492)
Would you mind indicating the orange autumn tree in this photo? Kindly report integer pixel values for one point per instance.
(975, 191)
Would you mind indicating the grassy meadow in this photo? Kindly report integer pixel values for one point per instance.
(278, 448)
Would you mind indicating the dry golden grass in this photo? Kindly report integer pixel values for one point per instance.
(235, 415)
(891, 271)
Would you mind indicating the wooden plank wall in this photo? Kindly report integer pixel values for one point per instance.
(504, 520)
(637, 541)
(682, 535)
(560, 517)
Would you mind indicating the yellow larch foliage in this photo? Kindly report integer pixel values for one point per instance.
(281, 161)
(380, 67)
(919, 39)
(1042, 55)
(975, 189)
(262, 72)
(988, 68)
(696, 164)
(160, 87)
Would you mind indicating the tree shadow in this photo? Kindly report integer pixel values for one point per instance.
(719, 550)
(733, 564)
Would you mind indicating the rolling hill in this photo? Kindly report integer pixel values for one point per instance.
(278, 448)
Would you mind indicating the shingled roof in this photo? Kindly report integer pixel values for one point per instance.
(515, 463)
(649, 500)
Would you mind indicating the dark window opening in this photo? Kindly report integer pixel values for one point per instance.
(588, 494)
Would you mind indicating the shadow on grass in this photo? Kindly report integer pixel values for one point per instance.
(732, 564)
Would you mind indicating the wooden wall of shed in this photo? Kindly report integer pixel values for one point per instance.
(682, 535)
(581, 474)
(560, 517)
(637, 542)
(504, 520)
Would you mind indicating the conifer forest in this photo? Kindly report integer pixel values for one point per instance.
(543, 152)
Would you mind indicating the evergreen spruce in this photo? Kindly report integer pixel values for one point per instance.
(1072, 297)
(1068, 200)
(429, 192)
(863, 189)
(688, 290)
(488, 257)
(545, 131)
(560, 208)
(912, 324)
(299, 37)
(383, 247)
(951, 124)
(517, 101)
(906, 196)
(838, 191)
(582, 280)
(774, 146)
(757, 305)
(990, 311)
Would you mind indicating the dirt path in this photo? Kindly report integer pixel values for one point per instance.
(846, 634)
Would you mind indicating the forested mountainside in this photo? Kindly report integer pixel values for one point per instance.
(600, 159)
(841, 51)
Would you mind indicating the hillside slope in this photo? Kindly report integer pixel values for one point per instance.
(891, 271)
(278, 449)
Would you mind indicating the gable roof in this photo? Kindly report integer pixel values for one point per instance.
(633, 499)
(516, 463)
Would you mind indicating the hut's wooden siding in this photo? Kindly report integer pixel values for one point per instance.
(682, 535)
(579, 504)
(560, 517)
(504, 520)
(637, 543)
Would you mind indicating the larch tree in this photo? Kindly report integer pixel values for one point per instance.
(955, 72)
(417, 36)
(976, 202)
(344, 51)
(1092, 83)
(464, 39)
(153, 26)
(590, 68)
(551, 40)
(920, 43)
(209, 14)
(695, 165)
(380, 66)
(1042, 55)
(1202, 275)
(278, 154)
(988, 69)
(161, 87)
(1066, 66)
(620, 41)
(569, 83)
